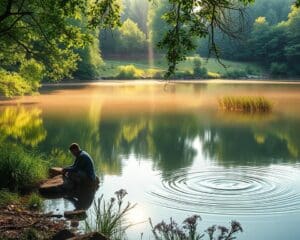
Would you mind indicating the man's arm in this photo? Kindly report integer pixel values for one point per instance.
(71, 168)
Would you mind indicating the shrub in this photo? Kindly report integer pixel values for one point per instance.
(198, 70)
(20, 169)
(34, 202)
(7, 198)
(12, 84)
(245, 104)
(213, 75)
(183, 75)
(235, 74)
(278, 69)
(130, 72)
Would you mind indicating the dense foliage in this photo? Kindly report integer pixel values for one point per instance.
(271, 38)
(48, 33)
(54, 40)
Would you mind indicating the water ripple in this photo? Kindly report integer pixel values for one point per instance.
(237, 191)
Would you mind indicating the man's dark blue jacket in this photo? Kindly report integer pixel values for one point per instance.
(83, 164)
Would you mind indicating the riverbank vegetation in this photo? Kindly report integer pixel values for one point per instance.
(245, 104)
(20, 170)
(77, 44)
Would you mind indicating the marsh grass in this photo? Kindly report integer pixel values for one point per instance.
(34, 202)
(20, 170)
(7, 197)
(110, 216)
(245, 104)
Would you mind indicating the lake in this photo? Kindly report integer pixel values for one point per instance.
(173, 151)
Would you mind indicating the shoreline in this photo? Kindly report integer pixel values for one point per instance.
(159, 81)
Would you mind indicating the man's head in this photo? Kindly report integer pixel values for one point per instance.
(75, 149)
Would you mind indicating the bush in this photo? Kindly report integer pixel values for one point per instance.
(130, 72)
(235, 74)
(198, 70)
(278, 69)
(34, 202)
(20, 169)
(12, 84)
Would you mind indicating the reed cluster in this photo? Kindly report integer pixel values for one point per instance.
(245, 104)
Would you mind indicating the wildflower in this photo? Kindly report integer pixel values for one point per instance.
(192, 220)
(223, 230)
(211, 230)
(236, 226)
(121, 194)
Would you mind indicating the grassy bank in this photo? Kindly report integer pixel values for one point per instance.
(20, 170)
(116, 68)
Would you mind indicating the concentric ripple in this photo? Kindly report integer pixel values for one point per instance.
(238, 191)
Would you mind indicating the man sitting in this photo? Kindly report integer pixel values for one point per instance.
(82, 171)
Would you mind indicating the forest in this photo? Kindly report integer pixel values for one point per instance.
(132, 39)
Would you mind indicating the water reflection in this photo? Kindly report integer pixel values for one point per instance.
(172, 145)
(22, 124)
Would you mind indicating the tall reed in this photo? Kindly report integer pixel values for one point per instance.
(245, 104)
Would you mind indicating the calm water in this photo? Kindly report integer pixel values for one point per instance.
(173, 151)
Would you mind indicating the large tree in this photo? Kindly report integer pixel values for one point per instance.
(46, 30)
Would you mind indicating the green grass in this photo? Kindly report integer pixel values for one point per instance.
(111, 68)
(34, 202)
(7, 197)
(245, 104)
(20, 170)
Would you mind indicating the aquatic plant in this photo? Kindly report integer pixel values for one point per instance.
(188, 230)
(110, 216)
(245, 104)
(20, 169)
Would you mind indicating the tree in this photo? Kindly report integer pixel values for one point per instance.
(45, 31)
(127, 39)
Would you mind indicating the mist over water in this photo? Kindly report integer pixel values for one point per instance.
(173, 151)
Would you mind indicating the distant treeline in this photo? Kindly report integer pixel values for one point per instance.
(269, 34)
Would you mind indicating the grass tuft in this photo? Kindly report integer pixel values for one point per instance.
(34, 202)
(20, 170)
(245, 104)
(109, 216)
(7, 198)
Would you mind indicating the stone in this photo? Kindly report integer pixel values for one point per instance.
(55, 171)
(52, 186)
